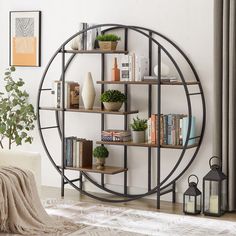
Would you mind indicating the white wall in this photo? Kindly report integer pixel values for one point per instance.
(189, 23)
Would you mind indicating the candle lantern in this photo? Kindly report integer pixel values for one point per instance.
(192, 198)
(214, 190)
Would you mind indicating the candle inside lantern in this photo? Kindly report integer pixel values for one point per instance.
(190, 207)
(214, 204)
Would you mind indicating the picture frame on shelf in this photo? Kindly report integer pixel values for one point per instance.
(25, 38)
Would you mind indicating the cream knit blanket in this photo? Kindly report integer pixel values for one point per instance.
(21, 211)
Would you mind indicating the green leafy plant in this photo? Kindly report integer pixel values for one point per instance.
(113, 96)
(17, 115)
(100, 152)
(139, 124)
(108, 37)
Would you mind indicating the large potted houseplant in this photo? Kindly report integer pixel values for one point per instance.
(108, 41)
(17, 115)
(138, 130)
(113, 99)
(100, 153)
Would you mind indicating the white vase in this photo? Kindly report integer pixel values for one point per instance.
(88, 92)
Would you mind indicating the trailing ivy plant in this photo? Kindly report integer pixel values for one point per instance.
(17, 115)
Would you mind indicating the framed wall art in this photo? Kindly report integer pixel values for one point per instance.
(25, 38)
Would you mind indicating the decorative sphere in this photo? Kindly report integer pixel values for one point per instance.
(165, 70)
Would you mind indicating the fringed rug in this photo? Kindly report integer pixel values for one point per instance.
(99, 219)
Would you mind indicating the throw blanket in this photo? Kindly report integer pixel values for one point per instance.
(21, 211)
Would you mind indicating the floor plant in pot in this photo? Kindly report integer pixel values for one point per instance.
(138, 129)
(113, 100)
(100, 153)
(17, 115)
(108, 41)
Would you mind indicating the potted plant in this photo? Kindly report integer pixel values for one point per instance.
(100, 153)
(108, 41)
(113, 100)
(138, 129)
(17, 115)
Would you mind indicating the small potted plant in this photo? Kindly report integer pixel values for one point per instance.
(138, 129)
(100, 153)
(108, 41)
(113, 100)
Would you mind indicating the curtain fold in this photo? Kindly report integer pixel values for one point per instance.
(224, 127)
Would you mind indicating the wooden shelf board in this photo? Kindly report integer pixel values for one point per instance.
(148, 82)
(95, 110)
(145, 145)
(97, 51)
(109, 170)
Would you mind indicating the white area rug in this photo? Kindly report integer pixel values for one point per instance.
(99, 219)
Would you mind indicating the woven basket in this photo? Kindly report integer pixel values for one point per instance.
(107, 45)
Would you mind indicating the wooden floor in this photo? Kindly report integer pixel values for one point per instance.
(141, 204)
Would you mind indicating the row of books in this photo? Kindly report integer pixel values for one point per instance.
(173, 129)
(133, 67)
(78, 152)
(116, 135)
(72, 91)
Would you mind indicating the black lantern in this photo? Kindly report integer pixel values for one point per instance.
(214, 190)
(192, 198)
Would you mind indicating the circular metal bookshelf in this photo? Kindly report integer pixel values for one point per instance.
(163, 186)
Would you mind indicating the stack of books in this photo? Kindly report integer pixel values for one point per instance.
(116, 135)
(173, 129)
(78, 152)
(72, 91)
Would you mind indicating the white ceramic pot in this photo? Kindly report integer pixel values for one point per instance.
(88, 92)
(112, 106)
(138, 136)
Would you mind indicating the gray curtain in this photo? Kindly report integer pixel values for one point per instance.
(224, 127)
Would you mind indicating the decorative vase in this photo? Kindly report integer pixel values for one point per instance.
(165, 70)
(88, 92)
(112, 106)
(138, 136)
(107, 45)
(100, 162)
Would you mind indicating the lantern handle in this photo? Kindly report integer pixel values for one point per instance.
(193, 176)
(216, 157)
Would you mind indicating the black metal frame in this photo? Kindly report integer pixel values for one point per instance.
(160, 188)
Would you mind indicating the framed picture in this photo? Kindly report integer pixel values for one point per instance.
(25, 38)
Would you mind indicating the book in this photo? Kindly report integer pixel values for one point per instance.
(85, 153)
(169, 125)
(163, 78)
(185, 130)
(149, 128)
(125, 68)
(116, 135)
(57, 92)
(153, 128)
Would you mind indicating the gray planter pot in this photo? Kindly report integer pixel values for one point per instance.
(138, 136)
(112, 106)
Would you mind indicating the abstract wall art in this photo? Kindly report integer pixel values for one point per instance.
(25, 37)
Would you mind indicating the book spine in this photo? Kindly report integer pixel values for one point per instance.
(69, 152)
(162, 130)
(177, 129)
(169, 129)
(165, 129)
(173, 129)
(192, 130)
(181, 131)
(77, 160)
(74, 152)
(153, 128)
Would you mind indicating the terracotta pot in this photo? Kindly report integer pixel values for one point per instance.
(107, 45)
(100, 162)
(112, 106)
